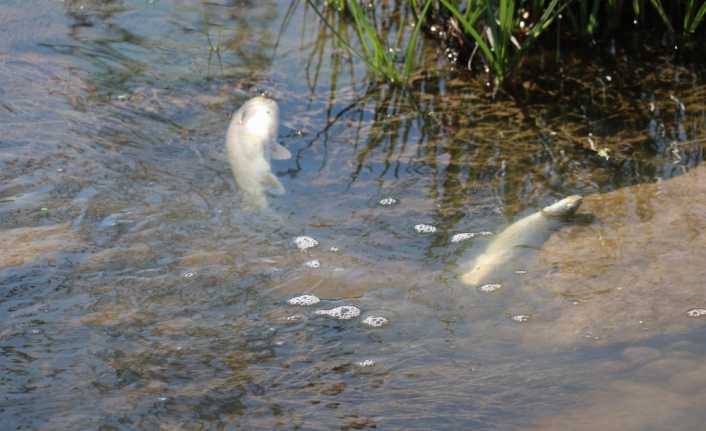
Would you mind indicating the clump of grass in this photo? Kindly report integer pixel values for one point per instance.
(379, 56)
(502, 32)
(497, 34)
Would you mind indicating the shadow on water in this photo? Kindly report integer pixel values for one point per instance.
(135, 294)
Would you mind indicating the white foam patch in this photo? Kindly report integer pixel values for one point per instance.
(424, 228)
(696, 312)
(305, 242)
(344, 312)
(490, 287)
(386, 202)
(294, 318)
(463, 236)
(304, 300)
(366, 363)
(313, 263)
(376, 321)
(334, 249)
(520, 318)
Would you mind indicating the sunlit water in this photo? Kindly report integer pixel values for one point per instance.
(136, 294)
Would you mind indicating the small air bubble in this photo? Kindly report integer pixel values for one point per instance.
(462, 236)
(424, 228)
(696, 312)
(313, 263)
(490, 287)
(304, 300)
(305, 242)
(344, 312)
(386, 202)
(375, 321)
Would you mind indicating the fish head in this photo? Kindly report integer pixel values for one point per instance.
(564, 208)
(260, 117)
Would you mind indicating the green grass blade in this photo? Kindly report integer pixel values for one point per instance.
(343, 41)
(657, 4)
(469, 29)
(696, 20)
(412, 44)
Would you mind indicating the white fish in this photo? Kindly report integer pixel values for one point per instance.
(251, 145)
(525, 235)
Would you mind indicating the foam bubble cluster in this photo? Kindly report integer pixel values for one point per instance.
(386, 202)
(305, 242)
(344, 312)
(520, 318)
(312, 263)
(490, 287)
(376, 321)
(304, 300)
(463, 236)
(424, 228)
(696, 312)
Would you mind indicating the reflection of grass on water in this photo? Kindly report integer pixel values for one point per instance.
(212, 48)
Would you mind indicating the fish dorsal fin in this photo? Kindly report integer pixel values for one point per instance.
(279, 152)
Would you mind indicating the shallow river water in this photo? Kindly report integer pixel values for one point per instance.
(135, 293)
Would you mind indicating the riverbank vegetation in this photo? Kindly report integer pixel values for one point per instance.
(497, 38)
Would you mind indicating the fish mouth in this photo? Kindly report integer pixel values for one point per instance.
(564, 208)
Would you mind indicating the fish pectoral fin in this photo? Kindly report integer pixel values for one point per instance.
(279, 152)
(274, 186)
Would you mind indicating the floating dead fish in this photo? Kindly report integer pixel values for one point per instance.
(250, 142)
(520, 238)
